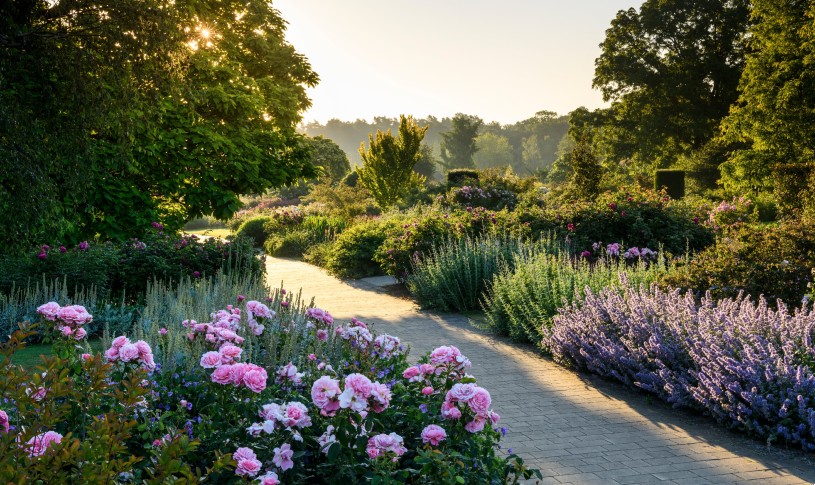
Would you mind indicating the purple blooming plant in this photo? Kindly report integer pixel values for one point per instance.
(749, 366)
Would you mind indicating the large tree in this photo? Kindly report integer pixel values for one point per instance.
(670, 70)
(458, 145)
(775, 112)
(156, 109)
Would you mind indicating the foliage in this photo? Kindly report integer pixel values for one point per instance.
(458, 145)
(342, 200)
(492, 151)
(774, 261)
(387, 169)
(293, 241)
(352, 255)
(672, 181)
(79, 427)
(454, 275)
(262, 380)
(328, 155)
(523, 300)
(775, 104)
(253, 230)
(461, 176)
(586, 172)
(204, 111)
(748, 366)
(671, 71)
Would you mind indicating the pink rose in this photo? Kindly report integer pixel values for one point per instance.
(476, 425)
(324, 393)
(87, 357)
(244, 454)
(222, 375)
(4, 421)
(493, 417)
(269, 479)
(80, 333)
(210, 360)
(361, 385)
(128, 352)
(112, 354)
(411, 373)
(450, 411)
(120, 341)
(39, 444)
(143, 348)
(230, 352)
(74, 315)
(322, 335)
(433, 434)
(462, 392)
(480, 402)
(255, 379)
(427, 391)
(66, 331)
(162, 331)
(248, 468)
(282, 457)
(49, 310)
(236, 372)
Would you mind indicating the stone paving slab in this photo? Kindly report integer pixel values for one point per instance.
(575, 428)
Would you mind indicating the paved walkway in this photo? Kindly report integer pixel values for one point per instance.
(575, 428)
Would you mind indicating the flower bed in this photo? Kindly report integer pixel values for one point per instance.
(346, 407)
(747, 365)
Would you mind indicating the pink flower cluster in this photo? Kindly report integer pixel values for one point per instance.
(420, 372)
(357, 333)
(387, 346)
(391, 445)
(477, 399)
(251, 376)
(69, 319)
(270, 478)
(248, 463)
(4, 421)
(325, 394)
(254, 311)
(290, 416)
(360, 392)
(449, 357)
(226, 355)
(122, 350)
(321, 317)
(288, 374)
(433, 434)
(38, 445)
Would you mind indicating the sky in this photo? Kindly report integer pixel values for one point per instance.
(502, 60)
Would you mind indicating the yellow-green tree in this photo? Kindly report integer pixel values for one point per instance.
(387, 165)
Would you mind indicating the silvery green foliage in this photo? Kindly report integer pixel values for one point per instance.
(747, 365)
(524, 299)
(285, 338)
(454, 275)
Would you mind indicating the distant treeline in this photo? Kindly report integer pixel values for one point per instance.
(528, 146)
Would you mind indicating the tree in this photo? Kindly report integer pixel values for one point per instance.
(671, 71)
(387, 168)
(775, 111)
(492, 151)
(458, 145)
(426, 165)
(328, 155)
(161, 110)
(587, 172)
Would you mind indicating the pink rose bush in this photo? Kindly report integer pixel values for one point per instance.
(69, 320)
(295, 404)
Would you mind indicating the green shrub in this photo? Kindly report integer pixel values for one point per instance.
(255, 230)
(523, 300)
(454, 275)
(353, 252)
(672, 181)
(775, 261)
(461, 176)
(319, 254)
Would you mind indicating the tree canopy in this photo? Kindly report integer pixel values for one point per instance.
(119, 113)
(458, 145)
(670, 70)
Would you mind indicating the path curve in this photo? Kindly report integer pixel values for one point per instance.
(575, 428)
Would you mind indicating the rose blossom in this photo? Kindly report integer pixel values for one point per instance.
(244, 453)
(324, 394)
(143, 348)
(128, 352)
(4, 421)
(427, 391)
(322, 335)
(40, 443)
(282, 457)
(480, 401)
(433, 434)
(269, 478)
(80, 333)
(222, 375)
(210, 360)
(476, 425)
(49, 310)
(74, 315)
(248, 468)
(255, 379)
(112, 354)
(230, 352)
(120, 341)
(461, 392)
(382, 397)
(450, 411)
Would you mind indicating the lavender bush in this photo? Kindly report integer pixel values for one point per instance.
(751, 367)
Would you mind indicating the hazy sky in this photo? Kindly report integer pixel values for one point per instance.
(502, 60)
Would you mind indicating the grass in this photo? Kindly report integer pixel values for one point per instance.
(29, 357)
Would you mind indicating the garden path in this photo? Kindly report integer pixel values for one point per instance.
(575, 428)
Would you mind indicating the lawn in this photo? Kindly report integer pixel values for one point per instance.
(30, 355)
